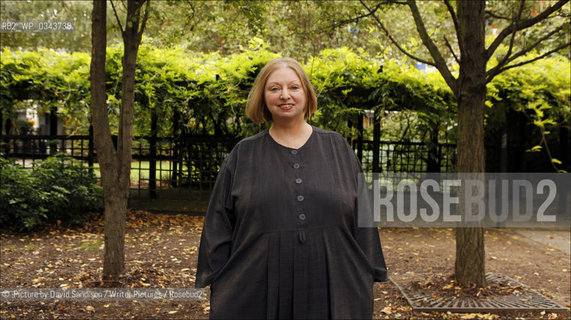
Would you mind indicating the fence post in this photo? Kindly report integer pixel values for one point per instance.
(564, 147)
(176, 134)
(360, 138)
(90, 149)
(433, 161)
(7, 144)
(53, 131)
(350, 138)
(153, 156)
(3, 144)
(376, 142)
(504, 152)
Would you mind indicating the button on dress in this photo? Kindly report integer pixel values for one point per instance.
(280, 237)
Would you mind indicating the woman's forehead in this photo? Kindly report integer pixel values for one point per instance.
(282, 74)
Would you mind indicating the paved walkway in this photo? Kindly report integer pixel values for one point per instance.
(556, 239)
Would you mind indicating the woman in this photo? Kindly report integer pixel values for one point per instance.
(280, 237)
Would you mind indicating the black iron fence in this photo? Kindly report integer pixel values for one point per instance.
(405, 156)
(193, 161)
(26, 150)
(157, 163)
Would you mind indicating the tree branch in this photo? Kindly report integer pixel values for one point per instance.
(455, 21)
(507, 59)
(495, 16)
(392, 39)
(351, 20)
(145, 18)
(451, 50)
(439, 61)
(528, 49)
(118, 20)
(523, 24)
(494, 72)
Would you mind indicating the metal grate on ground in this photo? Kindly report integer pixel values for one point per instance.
(531, 300)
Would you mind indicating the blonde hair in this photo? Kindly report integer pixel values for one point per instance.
(256, 108)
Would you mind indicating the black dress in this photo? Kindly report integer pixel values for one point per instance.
(280, 237)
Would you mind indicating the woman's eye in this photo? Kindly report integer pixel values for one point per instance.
(274, 89)
(294, 88)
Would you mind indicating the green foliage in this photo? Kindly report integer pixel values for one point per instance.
(545, 80)
(76, 12)
(541, 93)
(424, 95)
(70, 186)
(209, 91)
(47, 77)
(296, 28)
(21, 203)
(60, 188)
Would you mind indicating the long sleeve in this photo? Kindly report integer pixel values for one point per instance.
(216, 239)
(366, 231)
(370, 243)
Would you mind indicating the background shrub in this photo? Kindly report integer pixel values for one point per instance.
(21, 202)
(70, 188)
(60, 188)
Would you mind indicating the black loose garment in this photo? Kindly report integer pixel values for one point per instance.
(280, 237)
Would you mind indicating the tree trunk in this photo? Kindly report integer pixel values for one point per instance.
(471, 96)
(115, 216)
(115, 163)
(115, 205)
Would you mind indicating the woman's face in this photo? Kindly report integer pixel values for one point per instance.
(284, 95)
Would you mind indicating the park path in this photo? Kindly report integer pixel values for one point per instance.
(556, 239)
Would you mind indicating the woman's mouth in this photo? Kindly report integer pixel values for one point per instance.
(285, 106)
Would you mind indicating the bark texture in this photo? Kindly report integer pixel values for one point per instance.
(471, 96)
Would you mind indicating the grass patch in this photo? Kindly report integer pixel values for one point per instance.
(91, 245)
(32, 246)
(140, 170)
